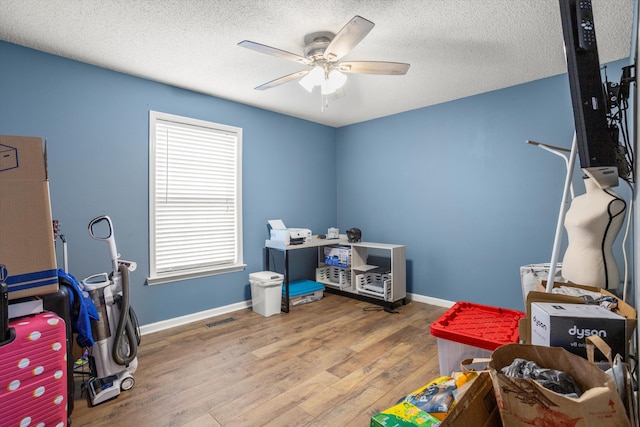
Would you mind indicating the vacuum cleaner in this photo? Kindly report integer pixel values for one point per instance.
(112, 359)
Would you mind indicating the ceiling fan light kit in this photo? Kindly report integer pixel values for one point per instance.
(329, 81)
(313, 78)
(334, 82)
(322, 52)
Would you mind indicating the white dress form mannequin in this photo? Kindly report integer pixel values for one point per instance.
(592, 223)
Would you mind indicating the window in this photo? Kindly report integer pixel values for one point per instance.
(195, 199)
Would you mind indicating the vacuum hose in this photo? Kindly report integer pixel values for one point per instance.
(125, 323)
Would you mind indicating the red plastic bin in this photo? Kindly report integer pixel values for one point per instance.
(468, 330)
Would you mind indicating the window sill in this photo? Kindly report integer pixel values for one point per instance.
(180, 276)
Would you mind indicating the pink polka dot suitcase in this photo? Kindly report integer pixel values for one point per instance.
(33, 372)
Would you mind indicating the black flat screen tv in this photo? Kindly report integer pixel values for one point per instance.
(597, 149)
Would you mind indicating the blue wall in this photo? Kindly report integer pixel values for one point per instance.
(455, 182)
(96, 125)
(459, 186)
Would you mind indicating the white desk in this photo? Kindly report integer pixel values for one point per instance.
(390, 286)
(279, 245)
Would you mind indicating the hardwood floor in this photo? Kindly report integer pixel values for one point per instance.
(333, 362)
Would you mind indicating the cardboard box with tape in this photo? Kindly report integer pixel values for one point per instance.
(27, 251)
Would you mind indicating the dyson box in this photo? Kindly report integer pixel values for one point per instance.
(567, 325)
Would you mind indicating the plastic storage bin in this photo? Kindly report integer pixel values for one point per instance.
(304, 291)
(531, 274)
(266, 292)
(468, 330)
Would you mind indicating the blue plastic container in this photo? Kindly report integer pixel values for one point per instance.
(304, 291)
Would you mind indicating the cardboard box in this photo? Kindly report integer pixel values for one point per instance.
(477, 407)
(623, 309)
(8, 157)
(567, 325)
(27, 251)
(524, 402)
(339, 256)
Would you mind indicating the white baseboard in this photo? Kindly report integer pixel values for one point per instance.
(194, 317)
(430, 300)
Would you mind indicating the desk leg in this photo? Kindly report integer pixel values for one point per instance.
(286, 282)
(266, 259)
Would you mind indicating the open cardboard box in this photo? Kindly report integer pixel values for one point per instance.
(477, 407)
(541, 295)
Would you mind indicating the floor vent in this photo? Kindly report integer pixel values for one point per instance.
(220, 322)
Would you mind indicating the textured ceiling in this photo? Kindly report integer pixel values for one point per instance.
(455, 48)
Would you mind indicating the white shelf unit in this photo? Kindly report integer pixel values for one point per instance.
(343, 280)
(364, 279)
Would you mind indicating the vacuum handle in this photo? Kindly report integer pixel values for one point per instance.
(96, 281)
(98, 231)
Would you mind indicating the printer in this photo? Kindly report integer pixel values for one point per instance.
(289, 236)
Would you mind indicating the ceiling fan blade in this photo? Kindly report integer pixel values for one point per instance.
(374, 67)
(282, 80)
(275, 52)
(347, 38)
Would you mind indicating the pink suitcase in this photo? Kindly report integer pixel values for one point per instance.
(33, 372)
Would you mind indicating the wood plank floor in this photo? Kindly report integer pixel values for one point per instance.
(333, 362)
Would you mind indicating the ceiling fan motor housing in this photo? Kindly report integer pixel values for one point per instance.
(316, 43)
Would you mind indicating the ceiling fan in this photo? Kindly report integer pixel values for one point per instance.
(322, 53)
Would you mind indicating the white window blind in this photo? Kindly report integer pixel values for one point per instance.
(195, 198)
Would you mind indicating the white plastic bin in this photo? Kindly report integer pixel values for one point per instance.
(468, 331)
(266, 292)
(532, 273)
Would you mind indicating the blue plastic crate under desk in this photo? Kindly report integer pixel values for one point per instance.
(304, 291)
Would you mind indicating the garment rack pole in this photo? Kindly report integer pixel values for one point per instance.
(561, 215)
